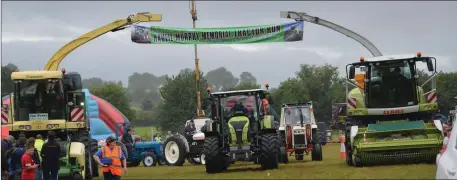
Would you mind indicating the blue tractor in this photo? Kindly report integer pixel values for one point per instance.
(148, 152)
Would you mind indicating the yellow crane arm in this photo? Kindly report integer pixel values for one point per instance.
(56, 59)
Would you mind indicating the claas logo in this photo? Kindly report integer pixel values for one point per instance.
(396, 111)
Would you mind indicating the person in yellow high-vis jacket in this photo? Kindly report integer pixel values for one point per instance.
(39, 142)
(111, 159)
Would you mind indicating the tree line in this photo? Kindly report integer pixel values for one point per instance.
(169, 100)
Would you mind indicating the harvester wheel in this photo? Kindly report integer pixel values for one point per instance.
(316, 154)
(77, 176)
(91, 147)
(269, 151)
(149, 159)
(174, 151)
(347, 144)
(357, 162)
(214, 161)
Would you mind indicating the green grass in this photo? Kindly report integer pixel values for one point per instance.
(145, 132)
(332, 167)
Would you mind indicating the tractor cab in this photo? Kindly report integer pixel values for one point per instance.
(390, 86)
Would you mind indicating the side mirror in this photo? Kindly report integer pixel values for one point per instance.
(430, 65)
(351, 72)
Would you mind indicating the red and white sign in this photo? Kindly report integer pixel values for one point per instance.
(77, 114)
(4, 115)
(431, 98)
(351, 103)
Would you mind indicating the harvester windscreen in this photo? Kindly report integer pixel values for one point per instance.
(391, 85)
(39, 100)
(292, 115)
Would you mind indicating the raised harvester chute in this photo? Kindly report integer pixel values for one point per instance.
(389, 114)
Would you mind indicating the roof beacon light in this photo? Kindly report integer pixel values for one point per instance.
(63, 70)
(419, 54)
(362, 59)
(208, 90)
(267, 85)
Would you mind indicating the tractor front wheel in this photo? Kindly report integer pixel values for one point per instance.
(316, 153)
(149, 159)
(214, 161)
(269, 151)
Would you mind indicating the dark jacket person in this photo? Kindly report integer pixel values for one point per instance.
(50, 153)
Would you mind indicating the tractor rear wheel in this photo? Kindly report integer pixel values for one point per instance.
(269, 151)
(77, 176)
(174, 151)
(214, 161)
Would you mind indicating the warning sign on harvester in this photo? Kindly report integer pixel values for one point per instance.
(286, 32)
(38, 116)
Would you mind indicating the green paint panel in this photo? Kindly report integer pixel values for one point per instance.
(396, 126)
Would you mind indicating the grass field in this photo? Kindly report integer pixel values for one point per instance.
(332, 167)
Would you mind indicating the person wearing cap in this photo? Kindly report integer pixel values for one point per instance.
(111, 158)
(50, 154)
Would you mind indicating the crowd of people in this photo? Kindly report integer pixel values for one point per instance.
(30, 158)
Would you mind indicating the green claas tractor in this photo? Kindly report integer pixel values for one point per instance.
(390, 116)
(240, 133)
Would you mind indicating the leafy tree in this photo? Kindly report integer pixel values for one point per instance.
(446, 91)
(92, 83)
(178, 102)
(147, 105)
(319, 84)
(221, 79)
(245, 86)
(144, 86)
(247, 78)
(7, 83)
(115, 94)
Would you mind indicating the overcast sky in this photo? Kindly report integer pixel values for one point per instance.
(33, 31)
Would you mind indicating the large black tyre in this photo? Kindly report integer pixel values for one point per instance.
(77, 176)
(316, 153)
(91, 147)
(283, 157)
(269, 151)
(174, 151)
(347, 144)
(214, 161)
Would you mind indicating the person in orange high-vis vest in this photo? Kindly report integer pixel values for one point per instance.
(265, 106)
(113, 154)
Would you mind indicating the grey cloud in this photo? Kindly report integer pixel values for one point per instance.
(394, 27)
